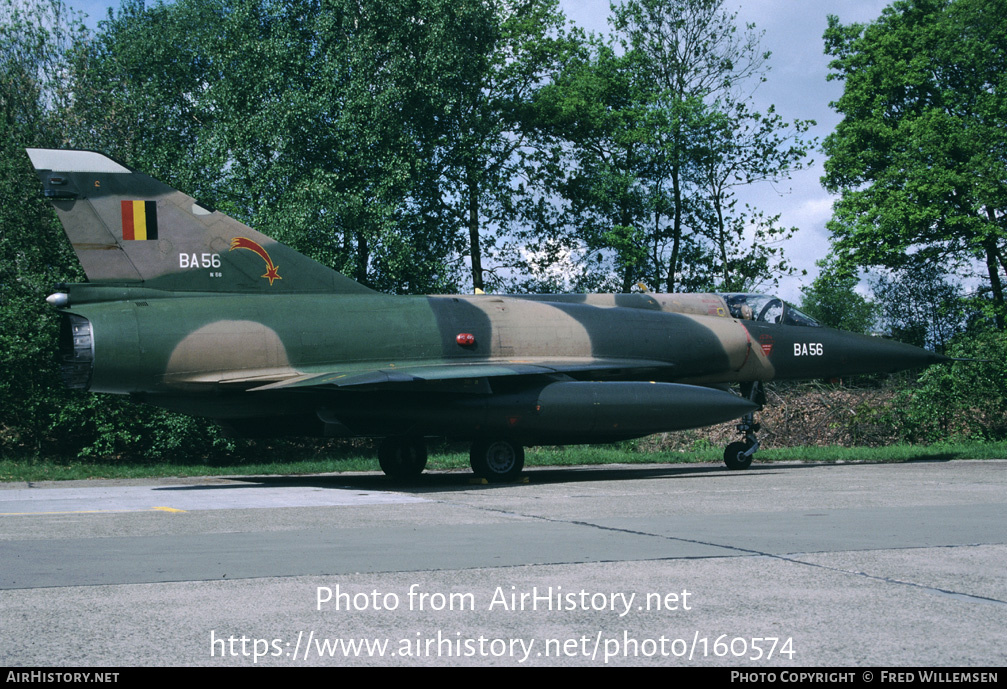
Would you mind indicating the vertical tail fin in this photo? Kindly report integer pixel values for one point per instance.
(129, 229)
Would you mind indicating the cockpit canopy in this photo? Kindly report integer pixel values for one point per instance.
(766, 308)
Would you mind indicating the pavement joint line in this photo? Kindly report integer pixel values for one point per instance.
(792, 558)
(968, 597)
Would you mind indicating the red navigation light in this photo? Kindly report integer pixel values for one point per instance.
(465, 339)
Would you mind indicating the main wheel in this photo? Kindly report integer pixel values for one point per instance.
(497, 461)
(735, 458)
(402, 458)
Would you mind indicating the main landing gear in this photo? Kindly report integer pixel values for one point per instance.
(497, 461)
(739, 455)
(402, 458)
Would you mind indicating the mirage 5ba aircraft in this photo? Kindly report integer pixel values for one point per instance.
(189, 309)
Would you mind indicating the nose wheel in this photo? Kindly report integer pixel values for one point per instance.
(738, 455)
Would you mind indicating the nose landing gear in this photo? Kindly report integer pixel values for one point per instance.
(739, 455)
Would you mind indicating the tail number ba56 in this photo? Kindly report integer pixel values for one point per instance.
(808, 349)
(199, 260)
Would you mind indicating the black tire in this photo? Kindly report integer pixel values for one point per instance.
(497, 461)
(734, 456)
(402, 458)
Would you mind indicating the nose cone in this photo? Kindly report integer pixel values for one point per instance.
(802, 353)
(865, 354)
(888, 356)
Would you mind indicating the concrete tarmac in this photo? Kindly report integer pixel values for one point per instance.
(674, 565)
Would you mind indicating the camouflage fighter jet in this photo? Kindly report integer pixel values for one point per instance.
(190, 310)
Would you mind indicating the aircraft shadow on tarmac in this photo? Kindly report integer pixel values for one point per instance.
(464, 480)
(440, 481)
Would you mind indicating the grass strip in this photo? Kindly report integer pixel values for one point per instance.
(445, 458)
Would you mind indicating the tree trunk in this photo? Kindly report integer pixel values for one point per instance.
(676, 185)
(363, 257)
(475, 250)
(993, 268)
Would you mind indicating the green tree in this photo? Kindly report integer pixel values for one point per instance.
(480, 149)
(322, 124)
(833, 301)
(391, 78)
(694, 59)
(657, 136)
(967, 399)
(40, 416)
(33, 257)
(921, 306)
(741, 146)
(139, 93)
(596, 118)
(921, 152)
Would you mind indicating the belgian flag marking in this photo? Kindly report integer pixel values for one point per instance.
(139, 220)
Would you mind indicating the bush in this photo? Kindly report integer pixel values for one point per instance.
(964, 400)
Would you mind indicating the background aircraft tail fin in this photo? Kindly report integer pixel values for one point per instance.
(129, 229)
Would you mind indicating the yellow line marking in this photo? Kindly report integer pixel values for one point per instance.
(151, 509)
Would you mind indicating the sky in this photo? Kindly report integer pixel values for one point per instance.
(796, 86)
